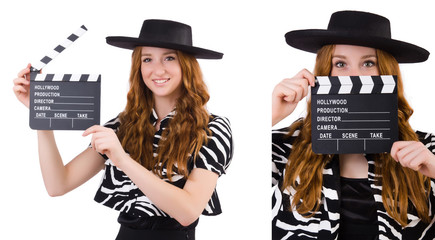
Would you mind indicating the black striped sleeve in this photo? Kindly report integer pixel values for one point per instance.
(113, 124)
(216, 155)
(281, 148)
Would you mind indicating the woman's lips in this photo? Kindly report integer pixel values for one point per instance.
(161, 80)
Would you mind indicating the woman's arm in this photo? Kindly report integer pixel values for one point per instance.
(59, 178)
(185, 205)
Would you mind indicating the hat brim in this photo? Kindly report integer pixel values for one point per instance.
(131, 43)
(311, 40)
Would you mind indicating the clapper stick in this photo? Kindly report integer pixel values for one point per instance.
(59, 48)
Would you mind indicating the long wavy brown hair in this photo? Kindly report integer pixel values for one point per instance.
(400, 186)
(186, 132)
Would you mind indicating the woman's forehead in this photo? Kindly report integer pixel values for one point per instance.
(156, 50)
(341, 49)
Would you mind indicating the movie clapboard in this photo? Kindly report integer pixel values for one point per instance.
(354, 114)
(63, 101)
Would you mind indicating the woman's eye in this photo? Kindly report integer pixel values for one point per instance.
(146, 60)
(369, 64)
(170, 58)
(339, 64)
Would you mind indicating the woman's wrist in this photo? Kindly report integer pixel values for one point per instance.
(122, 160)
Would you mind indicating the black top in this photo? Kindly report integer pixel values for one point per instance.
(152, 223)
(358, 210)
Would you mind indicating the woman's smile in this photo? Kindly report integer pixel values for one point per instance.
(160, 81)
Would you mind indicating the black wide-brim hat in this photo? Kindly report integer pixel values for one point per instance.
(360, 29)
(164, 34)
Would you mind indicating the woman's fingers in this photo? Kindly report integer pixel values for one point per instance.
(24, 72)
(288, 93)
(285, 91)
(19, 89)
(292, 90)
(22, 85)
(298, 84)
(409, 154)
(93, 129)
(305, 74)
(21, 81)
(103, 139)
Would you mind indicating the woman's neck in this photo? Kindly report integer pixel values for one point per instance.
(353, 166)
(163, 107)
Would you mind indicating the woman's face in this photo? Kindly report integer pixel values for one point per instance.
(161, 72)
(349, 60)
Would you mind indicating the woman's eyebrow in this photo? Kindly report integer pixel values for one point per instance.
(166, 53)
(369, 56)
(339, 56)
(170, 52)
(344, 57)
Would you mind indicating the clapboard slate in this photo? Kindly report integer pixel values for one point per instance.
(64, 101)
(354, 114)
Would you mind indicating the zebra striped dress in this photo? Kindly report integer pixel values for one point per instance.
(326, 222)
(117, 191)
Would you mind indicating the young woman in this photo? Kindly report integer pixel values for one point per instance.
(163, 154)
(350, 196)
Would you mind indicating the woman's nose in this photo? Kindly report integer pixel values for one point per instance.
(159, 68)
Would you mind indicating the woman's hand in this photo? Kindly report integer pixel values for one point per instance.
(288, 93)
(105, 141)
(22, 86)
(414, 155)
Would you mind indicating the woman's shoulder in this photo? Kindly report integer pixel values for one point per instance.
(216, 154)
(215, 118)
(425, 136)
(113, 123)
(280, 134)
(221, 133)
(219, 124)
(285, 136)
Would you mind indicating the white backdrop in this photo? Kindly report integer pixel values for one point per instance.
(249, 33)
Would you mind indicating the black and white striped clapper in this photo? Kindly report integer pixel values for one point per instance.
(63, 101)
(354, 114)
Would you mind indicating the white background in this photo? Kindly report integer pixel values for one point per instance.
(249, 33)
